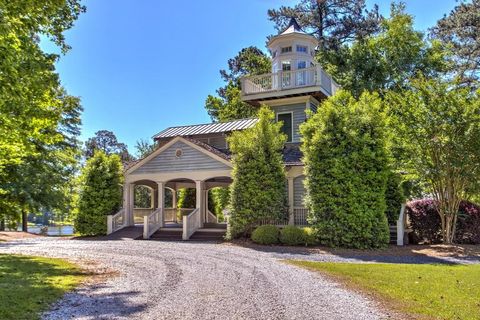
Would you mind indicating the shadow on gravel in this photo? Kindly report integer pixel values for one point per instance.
(392, 254)
(82, 303)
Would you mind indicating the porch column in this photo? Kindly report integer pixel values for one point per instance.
(161, 200)
(174, 198)
(200, 199)
(130, 204)
(291, 217)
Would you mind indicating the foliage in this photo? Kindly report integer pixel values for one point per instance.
(187, 198)
(228, 105)
(100, 193)
(426, 224)
(39, 120)
(387, 59)
(107, 142)
(394, 197)
(258, 190)
(292, 236)
(144, 148)
(29, 285)
(218, 201)
(267, 234)
(346, 166)
(143, 197)
(438, 127)
(310, 236)
(461, 31)
(436, 291)
(332, 22)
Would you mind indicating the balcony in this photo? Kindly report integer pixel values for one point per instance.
(314, 81)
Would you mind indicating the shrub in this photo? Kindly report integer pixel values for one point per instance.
(267, 234)
(394, 197)
(258, 191)
(292, 236)
(100, 193)
(310, 236)
(347, 164)
(426, 225)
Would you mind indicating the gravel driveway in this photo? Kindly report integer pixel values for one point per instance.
(178, 280)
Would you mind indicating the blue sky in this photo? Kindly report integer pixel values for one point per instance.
(142, 66)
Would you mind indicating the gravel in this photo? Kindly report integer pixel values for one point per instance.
(178, 280)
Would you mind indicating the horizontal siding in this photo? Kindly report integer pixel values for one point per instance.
(299, 116)
(298, 191)
(191, 160)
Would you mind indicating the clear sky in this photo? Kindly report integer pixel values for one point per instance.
(141, 66)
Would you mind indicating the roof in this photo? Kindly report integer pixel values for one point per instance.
(292, 155)
(293, 26)
(198, 129)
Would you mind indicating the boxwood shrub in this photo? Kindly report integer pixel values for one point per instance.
(426, 225)
(267, 234)
(292, 236)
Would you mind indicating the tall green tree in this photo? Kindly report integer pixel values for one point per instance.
(144, 147)
(38, 120)
(107, 142)
(346, 168)
(333, 22)
(437, 124)
(258, 190)
(387, 59)
(461, 30)
(100, 193)
(228, 105)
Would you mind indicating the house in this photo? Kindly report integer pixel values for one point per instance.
(197, 156)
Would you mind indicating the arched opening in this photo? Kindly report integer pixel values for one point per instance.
(218, 197)
(144, 199)
(180, 200)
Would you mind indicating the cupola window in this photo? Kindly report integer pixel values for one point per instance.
(286, 49)
(302, 49)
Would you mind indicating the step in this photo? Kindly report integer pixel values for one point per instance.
(208, 235)
(212, 225)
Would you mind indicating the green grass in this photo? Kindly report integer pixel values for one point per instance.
(28, 285)
(431, 291)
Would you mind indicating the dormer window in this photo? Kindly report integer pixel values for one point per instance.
(286, 49)
(302, 49)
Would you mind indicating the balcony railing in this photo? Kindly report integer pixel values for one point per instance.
(287, 80)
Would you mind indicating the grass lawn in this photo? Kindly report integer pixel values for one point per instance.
(28, 285)
(431, 291)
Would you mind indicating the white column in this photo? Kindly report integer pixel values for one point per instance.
(200, 199)
(130, 204)
(291, 218)
(161, 200)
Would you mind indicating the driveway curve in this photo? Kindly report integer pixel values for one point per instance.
(178, 280)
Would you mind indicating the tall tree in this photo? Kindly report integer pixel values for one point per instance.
(144, 148)
(332, 22)
(438, 126)
(258, 190)
(228, 105)
(107, 142)
(388, 59)
(461, 30)
(346, 167)
(38, 120)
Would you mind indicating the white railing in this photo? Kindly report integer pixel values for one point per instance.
(116, 221)
(211, 218)
(176, 214)
(152, 223)
(300, 216)
(140, 213)
(191, 223)
(285, 80)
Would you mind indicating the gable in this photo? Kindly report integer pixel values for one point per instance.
(180, 157)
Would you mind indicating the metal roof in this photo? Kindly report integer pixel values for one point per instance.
(293, 27)
(198, 129)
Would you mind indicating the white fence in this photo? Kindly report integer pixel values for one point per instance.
(191, 223)
(116, 221)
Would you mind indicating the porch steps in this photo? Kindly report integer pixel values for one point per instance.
(133, 232)
(209, 234)
(393, 234)
(167, 234)
(211, 225)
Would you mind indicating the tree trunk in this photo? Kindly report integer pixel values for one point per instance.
(24, 221)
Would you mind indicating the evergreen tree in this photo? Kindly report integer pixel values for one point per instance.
(107, 142)
(346, 166)
(258, 190)
(100, 193)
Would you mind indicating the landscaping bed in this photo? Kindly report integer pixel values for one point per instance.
(11, 235)
(418, 290)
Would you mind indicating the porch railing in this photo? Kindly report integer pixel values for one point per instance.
(211, 218)
(285, 80)
(176, 214)
(191, 223)
(152, 223)
(116, 221)
(300, 216)
(140, 213)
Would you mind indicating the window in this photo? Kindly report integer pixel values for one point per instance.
(286, 119)
(286, 66)
(274, 54)
(302, 49)
(286, 49)
(301, 64)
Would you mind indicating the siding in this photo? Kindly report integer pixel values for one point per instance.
(299, 116)
(298, 191)
(313, 107)
(191, 160)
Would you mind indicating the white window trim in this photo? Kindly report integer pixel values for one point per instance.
(291, 117)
